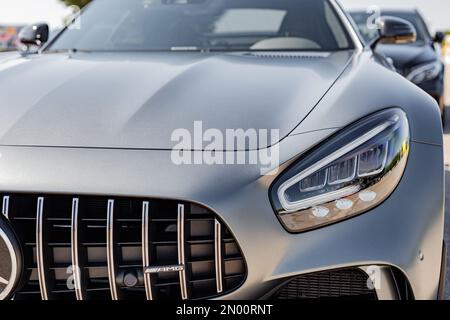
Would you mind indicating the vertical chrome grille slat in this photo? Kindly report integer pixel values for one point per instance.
(76, 269)
(120, 248)
(146, 250)
(218, 255)
(110, 251)
(5, 207)
(181, 251)
(40, 249)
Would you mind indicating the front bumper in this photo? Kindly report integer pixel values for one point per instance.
(405, 232)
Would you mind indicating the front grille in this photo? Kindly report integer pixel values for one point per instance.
(87, 247)
(336, 284)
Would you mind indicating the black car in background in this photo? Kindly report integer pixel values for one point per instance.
(421, 61)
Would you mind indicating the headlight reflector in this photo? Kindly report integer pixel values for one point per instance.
(349, 174)
(425, 72)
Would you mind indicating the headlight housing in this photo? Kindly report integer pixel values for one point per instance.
(425, 72)
(349, 174)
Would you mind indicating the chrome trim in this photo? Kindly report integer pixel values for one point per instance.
(110, 251)
(181, 253)
(164, 269)
(76, 271)
(327, 197)
(146, 250)
(11, 282)
(5, 206)
(40, 249)
(383, 282)
(347, 25)
(218, 255)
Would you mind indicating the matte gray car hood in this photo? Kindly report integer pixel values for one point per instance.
(138, 100)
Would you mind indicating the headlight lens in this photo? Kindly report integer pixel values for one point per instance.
(346, 176)
(425, 72)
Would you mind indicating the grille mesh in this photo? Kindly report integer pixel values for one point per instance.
(91, 247)
(336, 284)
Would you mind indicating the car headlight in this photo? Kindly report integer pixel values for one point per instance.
(425, 72)
(347, 175)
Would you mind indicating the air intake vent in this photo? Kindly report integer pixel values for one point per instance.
(120, 248)
(336, 284)
(288, 55)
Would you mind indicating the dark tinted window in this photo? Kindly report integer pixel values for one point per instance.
(207, 25)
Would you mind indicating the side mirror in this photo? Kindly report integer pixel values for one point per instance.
(440, 37)
(34, 35)
(395, 31)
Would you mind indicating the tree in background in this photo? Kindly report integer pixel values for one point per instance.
(79, 3)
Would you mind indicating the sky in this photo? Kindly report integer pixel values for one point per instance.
(436, 12)
(30, 11)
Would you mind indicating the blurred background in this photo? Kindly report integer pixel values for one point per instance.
(15, 14)
(434, 11)
(435, 15)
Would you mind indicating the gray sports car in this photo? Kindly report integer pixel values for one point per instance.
(217, 149)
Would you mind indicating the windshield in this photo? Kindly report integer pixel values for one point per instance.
(206, 25)
(370, 34)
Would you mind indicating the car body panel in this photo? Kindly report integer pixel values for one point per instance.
(395, 231)
(406, 57)
(392, 234)
(239, 193)
(127, 100)
(9, 55)
(358, 92)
